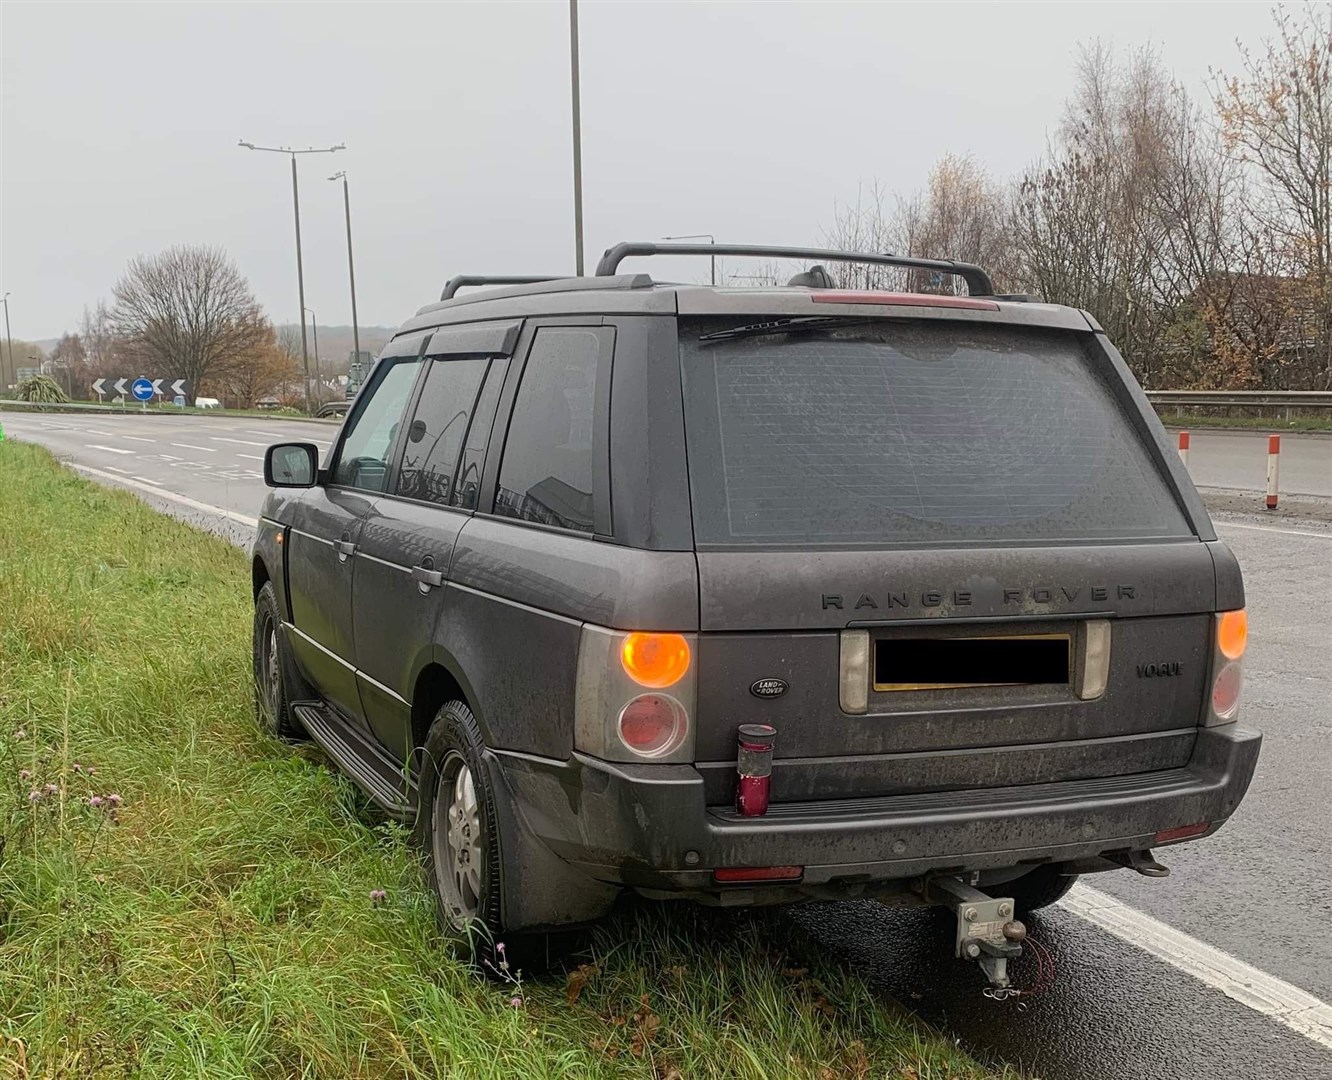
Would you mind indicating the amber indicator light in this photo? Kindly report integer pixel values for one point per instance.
(655, 660)
(1232, 634)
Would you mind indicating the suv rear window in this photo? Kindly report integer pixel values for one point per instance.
(905, 433)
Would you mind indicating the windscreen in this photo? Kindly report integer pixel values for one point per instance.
(895, 432)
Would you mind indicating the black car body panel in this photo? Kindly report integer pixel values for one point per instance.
(415, 572)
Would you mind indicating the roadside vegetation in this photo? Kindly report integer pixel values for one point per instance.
(181, 896)
(1269, 424)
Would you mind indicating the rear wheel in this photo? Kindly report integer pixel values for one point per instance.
(272, 708)
(1038, 889)
(457, 831)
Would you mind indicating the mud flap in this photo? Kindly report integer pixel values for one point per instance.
(539, 890)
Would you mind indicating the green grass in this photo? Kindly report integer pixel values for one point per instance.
(218, 922)
(1271, 424)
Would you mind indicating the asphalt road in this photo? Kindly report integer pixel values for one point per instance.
(1260, 890)
(1239, 460)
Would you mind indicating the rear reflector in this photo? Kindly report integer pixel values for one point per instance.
(904, 300)
(730, 875)
(1182, 832)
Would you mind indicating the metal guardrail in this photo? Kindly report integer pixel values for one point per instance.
(1288, 399)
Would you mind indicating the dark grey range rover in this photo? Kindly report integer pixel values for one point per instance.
(756, 595)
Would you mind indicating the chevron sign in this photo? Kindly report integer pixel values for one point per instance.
(119, 388)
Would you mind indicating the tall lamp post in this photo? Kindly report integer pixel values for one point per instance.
(712, 259)
(577, 138)
(9, 343)
(314, 324)
(296, 204)
(351, 270)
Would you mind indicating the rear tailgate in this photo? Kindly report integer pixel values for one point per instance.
(946, 737)
(929, 483)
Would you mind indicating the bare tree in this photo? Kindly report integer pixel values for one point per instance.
(71, 360)
(268, 369)
(961, 215)
(188, 311)
(1130, 213)
(1277, 119)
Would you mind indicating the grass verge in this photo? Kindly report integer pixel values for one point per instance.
(1271, 424)
(180, 896)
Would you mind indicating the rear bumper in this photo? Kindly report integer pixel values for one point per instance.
(648, 826)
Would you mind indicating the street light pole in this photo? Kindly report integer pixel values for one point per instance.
(351, 270)
(296, 205)
(577, 139)
(712, 259)
(314, 324)
(9, 343)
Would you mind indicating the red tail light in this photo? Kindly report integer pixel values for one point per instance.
(1182, 832)
(1226, 691)
(730, 875)
(653, 724)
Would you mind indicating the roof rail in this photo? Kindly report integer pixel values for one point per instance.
(978, 281)
(465, 281)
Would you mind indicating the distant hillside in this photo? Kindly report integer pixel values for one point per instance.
(335, 344)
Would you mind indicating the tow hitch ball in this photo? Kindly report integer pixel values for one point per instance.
(986, 929)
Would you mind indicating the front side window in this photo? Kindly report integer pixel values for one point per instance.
(363, 461)
(550, 461)
(435, 437)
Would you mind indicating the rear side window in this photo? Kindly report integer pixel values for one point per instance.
(435, 437)
(468, 484)
(551, 462)
(911, 433)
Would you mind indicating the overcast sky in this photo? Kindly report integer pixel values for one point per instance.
(748, 120)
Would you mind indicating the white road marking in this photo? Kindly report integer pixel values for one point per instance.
(191, 446)
(1275, 529)
(155, 483)
(252, 457)
(1289, 1005)
(123, 472)
(170, 496)
(135, 438)
(108, 449)
(243, 442)
(270, 434)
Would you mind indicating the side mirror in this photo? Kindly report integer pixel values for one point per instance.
(294, 465)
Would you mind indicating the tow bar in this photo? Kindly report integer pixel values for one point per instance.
(986, 929)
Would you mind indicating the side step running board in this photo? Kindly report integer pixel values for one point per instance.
(360, 758)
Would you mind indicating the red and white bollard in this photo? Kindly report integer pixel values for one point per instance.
(1273, 469)
(1184, 448)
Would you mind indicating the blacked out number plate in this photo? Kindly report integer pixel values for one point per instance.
(951, 663)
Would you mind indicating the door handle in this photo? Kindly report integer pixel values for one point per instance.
(427, 579)
(344, 548)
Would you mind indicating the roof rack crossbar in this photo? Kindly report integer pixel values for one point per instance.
(978, 281)
(465, 281)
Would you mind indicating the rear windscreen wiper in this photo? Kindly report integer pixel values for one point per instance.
(795, 324)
